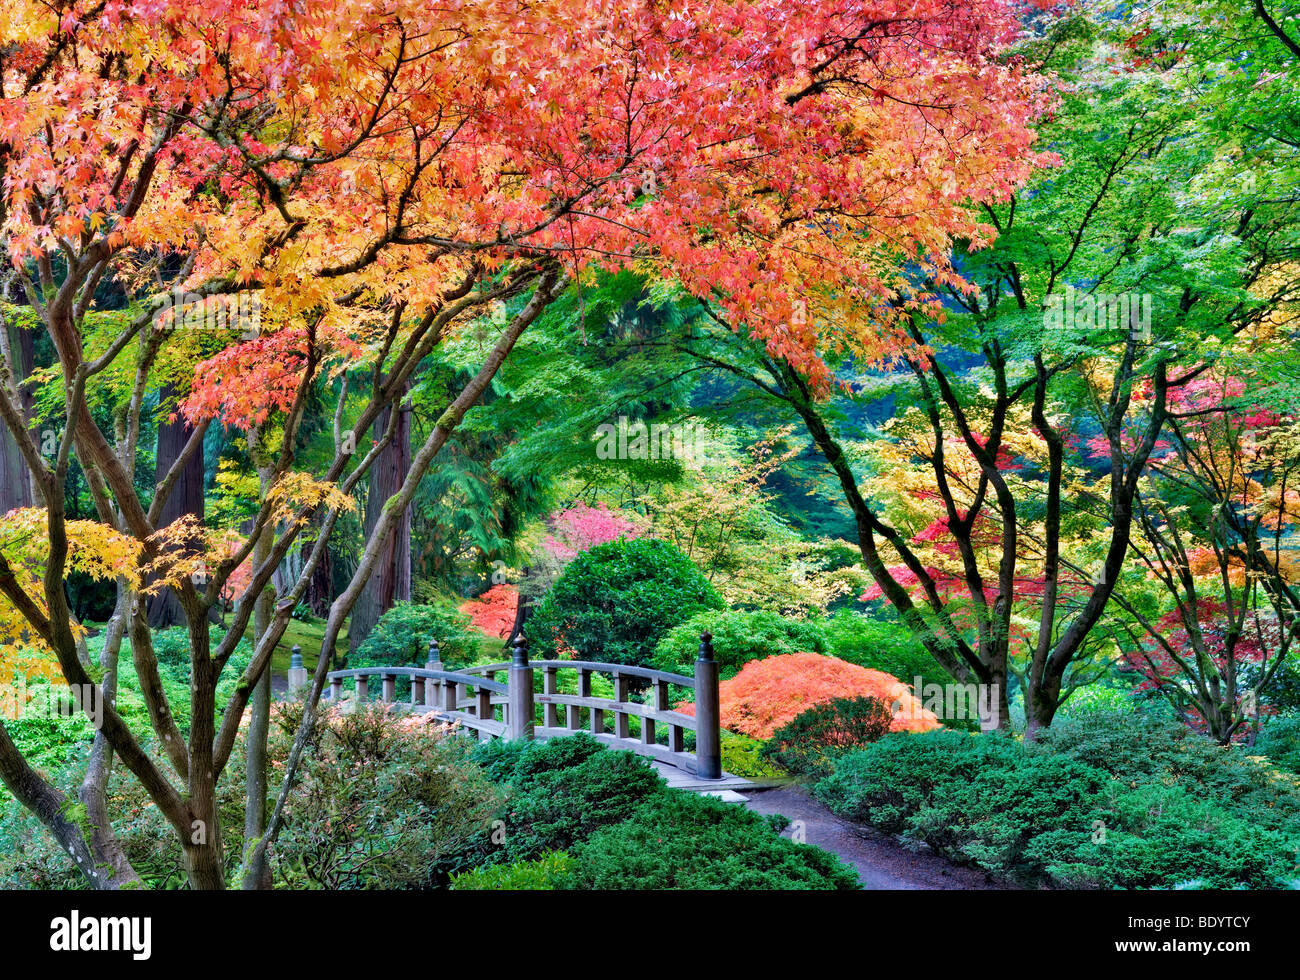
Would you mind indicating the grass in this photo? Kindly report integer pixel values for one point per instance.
(491, 650)
(307, 635)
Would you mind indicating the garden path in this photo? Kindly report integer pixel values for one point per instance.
(881, 862)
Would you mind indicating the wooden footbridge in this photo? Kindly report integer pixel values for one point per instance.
(477, 700)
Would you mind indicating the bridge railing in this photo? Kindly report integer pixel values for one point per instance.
(476, 699)
(477, 703)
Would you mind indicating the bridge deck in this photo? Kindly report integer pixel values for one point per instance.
(681, 779)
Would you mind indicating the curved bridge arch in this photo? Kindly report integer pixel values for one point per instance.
(474, 699)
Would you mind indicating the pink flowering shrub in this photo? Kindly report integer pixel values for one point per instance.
(581, 527)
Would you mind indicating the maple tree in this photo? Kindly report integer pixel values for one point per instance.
(1216, 514)
(990, 366)
(378, 177)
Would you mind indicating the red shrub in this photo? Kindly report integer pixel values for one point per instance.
(768, 693)
(494, 611)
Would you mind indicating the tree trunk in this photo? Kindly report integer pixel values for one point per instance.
(186, 498)
(15, 479)
(110, 859)
(522, 609)
(320, 589)
(391, 580)
(259, 725)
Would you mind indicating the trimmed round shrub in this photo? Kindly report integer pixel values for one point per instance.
(810, 743)
(882, 645)
(738, 638)
(615, 601)
(558, 792)
(402, 635)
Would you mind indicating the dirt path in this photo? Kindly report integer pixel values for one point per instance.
(881, 862)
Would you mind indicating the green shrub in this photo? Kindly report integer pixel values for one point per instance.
(881, 645)
(545, 873)
(1159, 836)
(1279, 739)
(681, 840)
(1139, 747)
(377, 805)
(738, 637)
(401, 639)
(809, 743)
(521, 763)
(743, 756)
(402, 635)
(1107, 801)
(558, 792)
(615, 601)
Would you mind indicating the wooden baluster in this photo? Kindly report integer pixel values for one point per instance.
(336, 689)
(485, 711)
(389, 692)
(448, 695)
(363, 689)
(621, 729)
(676, 743)
(551, 717)
(417, 691)
(660, 704)
(584, 691)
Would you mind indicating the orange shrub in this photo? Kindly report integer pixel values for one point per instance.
(494, 611)
(768, 693)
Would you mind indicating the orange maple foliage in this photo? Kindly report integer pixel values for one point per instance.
(494, 611)
(771, 692)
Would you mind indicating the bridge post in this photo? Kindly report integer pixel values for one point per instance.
(433, 663)
(297, 672)
(708, 718)
(519, 702)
